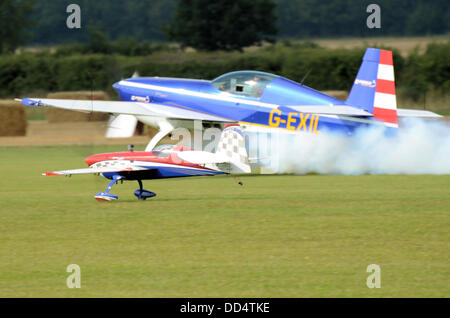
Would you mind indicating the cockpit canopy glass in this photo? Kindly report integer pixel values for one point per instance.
(162, 151)
(247, 83)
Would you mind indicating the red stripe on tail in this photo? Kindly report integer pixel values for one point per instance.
(386, 57)
(386, 87)
(386, 115)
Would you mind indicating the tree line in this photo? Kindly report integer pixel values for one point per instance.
(210, 25)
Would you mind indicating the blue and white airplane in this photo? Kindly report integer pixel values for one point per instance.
(254, 100)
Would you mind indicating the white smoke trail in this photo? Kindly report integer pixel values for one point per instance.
(420, 147)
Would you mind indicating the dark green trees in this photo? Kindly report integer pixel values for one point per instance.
(14, 21)
(223, 25)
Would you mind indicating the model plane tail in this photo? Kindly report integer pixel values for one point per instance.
(374, 87)
(232, 147)
(230, 156)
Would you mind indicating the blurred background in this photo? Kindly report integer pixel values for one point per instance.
(317, 42)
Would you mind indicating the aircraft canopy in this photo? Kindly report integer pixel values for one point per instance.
(247, 83)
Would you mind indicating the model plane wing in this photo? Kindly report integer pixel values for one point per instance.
(94, 170)
(123, 107)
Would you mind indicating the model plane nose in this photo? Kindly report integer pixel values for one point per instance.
(93, 159)
(90, 160)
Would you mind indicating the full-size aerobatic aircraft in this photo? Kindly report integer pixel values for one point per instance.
(166, 161)
(252, 99)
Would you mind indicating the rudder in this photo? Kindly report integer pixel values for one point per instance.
(232, 147)
(374, 87)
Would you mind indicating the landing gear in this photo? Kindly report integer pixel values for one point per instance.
(143, 194)
(140, 193)
(164, 128)
(106, 196)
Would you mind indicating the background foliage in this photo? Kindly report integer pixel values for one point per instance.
(145, 19)
(14, 23)
(226, 25)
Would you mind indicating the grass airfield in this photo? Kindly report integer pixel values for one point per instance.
(276, 236)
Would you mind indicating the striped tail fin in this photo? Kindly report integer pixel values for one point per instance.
(374, 87)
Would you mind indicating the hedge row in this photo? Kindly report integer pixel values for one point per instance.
(323, 69)
(25, 73)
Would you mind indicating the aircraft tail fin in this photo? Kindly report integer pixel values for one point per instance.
(374, 87)
(231, 147)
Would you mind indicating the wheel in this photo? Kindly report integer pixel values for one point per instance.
(144, 194)
(105, 197)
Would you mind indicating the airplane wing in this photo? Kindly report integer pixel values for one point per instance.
(122, 107)
(94, 170)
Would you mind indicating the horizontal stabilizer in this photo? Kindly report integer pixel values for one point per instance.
(331, 110)
(202, 157)
(416, 113)
(352, 111)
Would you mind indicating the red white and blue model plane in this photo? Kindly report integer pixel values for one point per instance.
(166, 161)
(256, 101)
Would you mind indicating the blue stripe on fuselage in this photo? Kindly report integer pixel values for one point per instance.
(166, 172)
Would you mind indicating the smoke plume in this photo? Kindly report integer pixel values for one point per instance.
(419, 147)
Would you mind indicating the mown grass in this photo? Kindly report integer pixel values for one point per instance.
(276, 236)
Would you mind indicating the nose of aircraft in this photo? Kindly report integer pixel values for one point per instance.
(90, 160)
(116, 85)
(94, 159)
(163, 83)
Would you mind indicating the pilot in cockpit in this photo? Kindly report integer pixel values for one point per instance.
(257, 86)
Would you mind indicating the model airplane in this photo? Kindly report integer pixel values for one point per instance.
(166, 161)
(259, 102)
